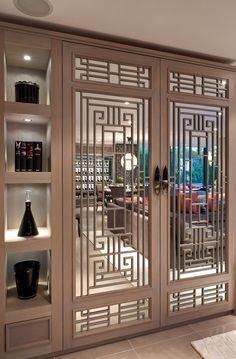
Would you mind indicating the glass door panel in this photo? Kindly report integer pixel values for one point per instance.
(112, 192)
(198, 190)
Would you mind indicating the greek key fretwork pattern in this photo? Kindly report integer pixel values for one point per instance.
(198, 85)
(198, 297)
(112, 73)
(112, 315)
(198, 187)
(112, 195)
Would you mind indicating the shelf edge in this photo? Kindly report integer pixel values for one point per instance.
(27, 177)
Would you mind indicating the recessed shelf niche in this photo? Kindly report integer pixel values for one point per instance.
(15, 205)
(18, 130)
(43, 296)
(36, 70)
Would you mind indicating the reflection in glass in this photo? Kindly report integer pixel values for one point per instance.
(198, 190)
(112, 193)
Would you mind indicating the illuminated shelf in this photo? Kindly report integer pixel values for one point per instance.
(15, 111)
(27, 177)
(15, 244)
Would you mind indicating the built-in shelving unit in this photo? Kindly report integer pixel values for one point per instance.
(31, 122)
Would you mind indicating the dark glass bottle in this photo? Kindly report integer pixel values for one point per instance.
(28, 226)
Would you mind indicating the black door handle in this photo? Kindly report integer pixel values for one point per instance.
(165, 179)
(157, 181)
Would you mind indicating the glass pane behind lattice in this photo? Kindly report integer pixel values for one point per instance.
(198, 187)
(112, 193)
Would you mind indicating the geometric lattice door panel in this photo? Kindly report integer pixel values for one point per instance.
(198, 187)
(197, 107)
(111, 147)
(113, 233)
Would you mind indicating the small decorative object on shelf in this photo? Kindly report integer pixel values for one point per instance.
(28, 156)
(27, 276)
(27, 91)
(28, 226)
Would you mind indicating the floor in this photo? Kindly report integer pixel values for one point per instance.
(170, 344)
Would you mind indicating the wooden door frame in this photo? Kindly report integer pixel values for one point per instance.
(72, 304)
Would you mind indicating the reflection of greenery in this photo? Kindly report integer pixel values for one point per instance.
(119, 180)
(199, 166)
(145, 150)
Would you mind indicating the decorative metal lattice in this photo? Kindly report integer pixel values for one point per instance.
(110, 315)
(112, 73)
(198, 297)
(198, 187)
(112, 245)
(198, 85)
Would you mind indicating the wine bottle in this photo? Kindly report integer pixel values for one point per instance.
(29, 156)
(23, 167)
(17, 156)
(28, 226)
(38, 156)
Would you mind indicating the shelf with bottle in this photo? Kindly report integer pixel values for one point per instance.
(27, 68)
(28, 147)
(17, 208)
(16, 244)
(28, 281)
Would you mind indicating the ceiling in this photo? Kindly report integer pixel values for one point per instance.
(202, 26)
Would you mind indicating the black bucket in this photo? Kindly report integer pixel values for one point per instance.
(27, 276)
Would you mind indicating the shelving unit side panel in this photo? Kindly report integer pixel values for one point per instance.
(56, 193)
(2, 195)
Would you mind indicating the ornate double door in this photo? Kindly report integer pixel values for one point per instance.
(146, 209)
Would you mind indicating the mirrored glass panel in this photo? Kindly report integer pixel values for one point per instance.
(198, 189)
(112, 192)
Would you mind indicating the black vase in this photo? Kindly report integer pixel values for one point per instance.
(28, 226)
(27, 276)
